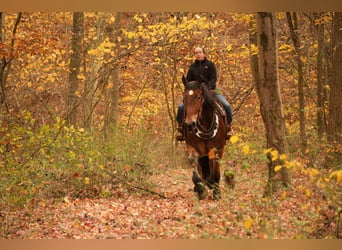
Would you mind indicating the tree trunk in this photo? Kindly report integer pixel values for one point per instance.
(2, 65)
(294, 30)
(321, 78)
(75, 62)
(93, 76)
(5, 64)
(267, 86)
(334, 131)
(112, 93)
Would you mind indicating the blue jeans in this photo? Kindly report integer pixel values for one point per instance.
(226, 106)
(221, 98)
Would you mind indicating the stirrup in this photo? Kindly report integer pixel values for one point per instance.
(228, 135)
(180, 135)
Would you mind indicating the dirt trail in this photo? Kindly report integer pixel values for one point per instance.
(241, 213)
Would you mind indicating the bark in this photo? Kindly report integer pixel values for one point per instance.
(93, 78)
(268, 90)
(334, 131)
(5, 63)
(321, 78)
(294, 32)
(75, 62)
(2, 65)
(112, 94)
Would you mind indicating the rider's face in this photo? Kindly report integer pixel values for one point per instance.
(199, 54)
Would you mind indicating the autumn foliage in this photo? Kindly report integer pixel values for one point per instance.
(116, 171)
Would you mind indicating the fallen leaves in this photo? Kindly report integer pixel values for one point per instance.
(241, 213)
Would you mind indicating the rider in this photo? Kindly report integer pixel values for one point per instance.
(205, 71)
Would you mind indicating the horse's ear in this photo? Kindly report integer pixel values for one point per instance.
(185, 82)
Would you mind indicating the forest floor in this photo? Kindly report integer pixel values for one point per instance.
(241, 212)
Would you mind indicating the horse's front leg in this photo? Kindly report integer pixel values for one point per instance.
(199, 186)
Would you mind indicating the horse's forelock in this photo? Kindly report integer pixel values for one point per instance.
(192, 85)
(208, 97)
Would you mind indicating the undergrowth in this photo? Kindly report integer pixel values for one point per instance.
(55, 161)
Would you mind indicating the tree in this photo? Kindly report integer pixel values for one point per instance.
(75, 62)
(292, 20)
(268, 90)
(334, 131)
(112, 91)
(93, 66)
(321, 75)
(7, 58)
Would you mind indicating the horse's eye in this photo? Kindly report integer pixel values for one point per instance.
(199, 98)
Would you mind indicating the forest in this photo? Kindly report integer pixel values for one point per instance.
(88, 104)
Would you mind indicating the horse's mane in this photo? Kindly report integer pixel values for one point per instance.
(207, 95)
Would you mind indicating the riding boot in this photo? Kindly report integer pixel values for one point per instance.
(229, 131)
(180, 135)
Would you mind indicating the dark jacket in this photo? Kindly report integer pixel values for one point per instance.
(203, 71)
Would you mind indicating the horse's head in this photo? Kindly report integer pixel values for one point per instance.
(193, 101)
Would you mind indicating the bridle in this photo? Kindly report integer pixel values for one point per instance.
(198, 129)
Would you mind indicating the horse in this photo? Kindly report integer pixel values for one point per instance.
(205, 136)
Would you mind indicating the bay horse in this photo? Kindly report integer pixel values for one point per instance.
(205, 136)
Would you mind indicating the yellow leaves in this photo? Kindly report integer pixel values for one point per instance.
(284, 195)
(86, 180)
(277, 168)
(253, 49)
(248, 223)
(138, 19)
(266, 151)
(337, 174)
(229, 47)
(308, 192)
(283, 157)
(312, 172)
(245, 149)
(274, 154)
(110, 85)
(234, 139)
(105, 47)
(305, 207)
(285, 48)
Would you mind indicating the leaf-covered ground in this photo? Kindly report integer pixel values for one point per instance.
(241, 213)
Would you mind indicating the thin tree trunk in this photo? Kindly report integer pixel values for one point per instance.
(92, 79)
(293, 25)
(5, 64)
(2, 65)
(334, 131)
(267, 86)
(321, 78)
(112, 93)
(75, 62)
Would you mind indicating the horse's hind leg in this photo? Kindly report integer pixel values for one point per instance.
(215, 179)
(217, 192)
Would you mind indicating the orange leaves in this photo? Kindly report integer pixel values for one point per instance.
(212, 154)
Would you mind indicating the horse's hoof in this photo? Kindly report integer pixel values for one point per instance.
(217, 194)
(201, 190)
(203, 196)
